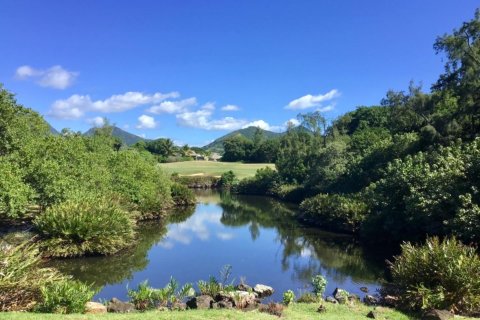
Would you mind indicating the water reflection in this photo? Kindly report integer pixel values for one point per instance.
(257, 235)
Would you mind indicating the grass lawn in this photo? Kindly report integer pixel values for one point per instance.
(212, 168)
(298, 311)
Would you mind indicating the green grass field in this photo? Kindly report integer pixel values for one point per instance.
(211, 168)
(299, 311)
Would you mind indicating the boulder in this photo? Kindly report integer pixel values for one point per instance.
(390, 301)
(118, 306)
(321, 309)
(364, 289)
(331, 299)
(373, 315)
(370, 300)
(95, 308)
(200, 302)
(244, 287)
(340, 295)
(178, 306)
(263, 290)
(437, 315)
(222, 305)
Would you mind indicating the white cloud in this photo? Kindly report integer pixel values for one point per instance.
(77, 105)
(55, 77)
(230, 107)
(173, 106)
(309, 101)
(202, 119)
(97, 121)
(146, 122)
(293, 121)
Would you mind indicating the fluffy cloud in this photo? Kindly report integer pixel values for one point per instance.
(202, 119)
(146, 122)
(97, 121)
(77, 105)
(309, 101)
(173, 106)
(55, 77)
(230, 107)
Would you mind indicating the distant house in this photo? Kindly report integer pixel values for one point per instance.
(215, 156)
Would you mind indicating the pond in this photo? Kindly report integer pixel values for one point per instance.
(257, 236)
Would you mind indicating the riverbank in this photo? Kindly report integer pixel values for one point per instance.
(298, 311)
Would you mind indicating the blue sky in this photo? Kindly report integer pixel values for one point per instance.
(195, 70)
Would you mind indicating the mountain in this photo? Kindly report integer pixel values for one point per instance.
(126, 137)
(53, 130)
(217, 145)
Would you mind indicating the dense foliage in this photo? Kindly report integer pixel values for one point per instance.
(401, 170)
(440, 275)
(86, 224)
(255, 150)
(65, 296)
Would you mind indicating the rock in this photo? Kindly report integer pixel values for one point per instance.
(263, 290)
(353, 297)
(364, 289)
(178, 306)
(200, 302)
(242, 299)
(322, 309)
(118, 306)
(390, 301)
(331, 299)
(223, 305)
(370, 300)
(373, 315)
(340, 295)
(437, 315)
(95, 308)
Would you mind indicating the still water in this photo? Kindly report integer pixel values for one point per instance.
(255, 235)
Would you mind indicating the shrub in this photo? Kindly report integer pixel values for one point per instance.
(263, 183)
(211, 287)
(319, 284)
(292, 192)
(15, 195)
(272, 308)
(181, 195)
(288, 297)
(307, 298)
(228, 180)
(440, 274)
(85, 224)
(336, 212)
(66, 296)
(146, 297)
(21, 277)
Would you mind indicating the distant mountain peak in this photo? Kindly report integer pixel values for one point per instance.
(126, 137)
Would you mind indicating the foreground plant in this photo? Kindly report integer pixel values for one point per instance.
(146, 297)
(440, 274)
(319, 284)
(65, 296)
(85, 224)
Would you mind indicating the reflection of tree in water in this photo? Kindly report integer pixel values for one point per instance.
(336, 255)
(119, 267)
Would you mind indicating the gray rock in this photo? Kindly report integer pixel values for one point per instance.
(321, 309)
(373, 315)
(331, 299)
(263, 290)
(437, 315)
(118, 306)
(95, 308)
(179, 306)
(200, 302)
(390, 301)
(222, 305)
(340, 295)
(364, 289)
(244, 287)
(370, 300)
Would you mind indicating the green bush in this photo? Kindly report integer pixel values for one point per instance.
(66, 296)
(263, 183)
(308, 297)
(21, 277)
(335, 212)
(288, 297)
(15, 195)
(146, 297)
(319, 284)
(182, 195)
(228, 180)
(440, 274)
(85, 224)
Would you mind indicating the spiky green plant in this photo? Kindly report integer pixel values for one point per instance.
(85, 224)
(65, 296)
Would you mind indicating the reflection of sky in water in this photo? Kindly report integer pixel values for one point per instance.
(201, 245)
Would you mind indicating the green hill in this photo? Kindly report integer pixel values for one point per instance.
(126, 137)
(217, 145)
